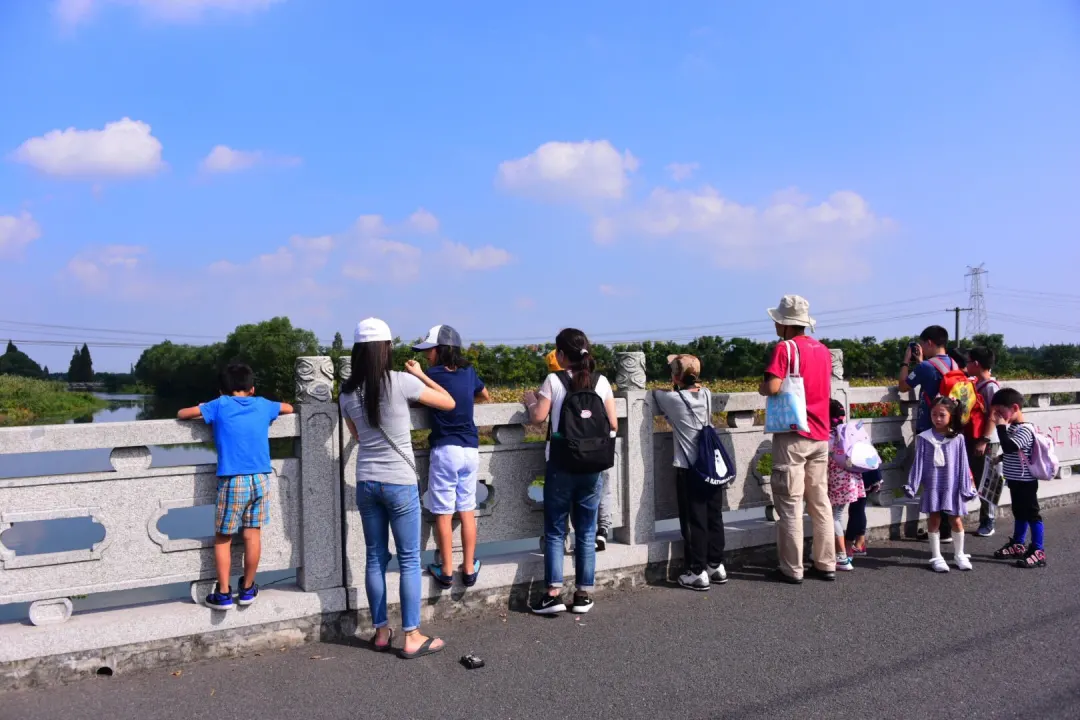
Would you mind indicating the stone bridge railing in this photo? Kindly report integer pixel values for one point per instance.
(316, 532)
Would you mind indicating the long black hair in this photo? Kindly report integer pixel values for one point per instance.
(573, 344)
(370, 373)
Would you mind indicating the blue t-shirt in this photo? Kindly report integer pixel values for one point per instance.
(926, 377)
(240, 427)
(456, 427)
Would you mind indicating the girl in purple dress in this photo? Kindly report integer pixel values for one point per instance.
(941, 469)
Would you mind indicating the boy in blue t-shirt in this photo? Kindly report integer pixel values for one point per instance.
(240, 422)
(454, 459)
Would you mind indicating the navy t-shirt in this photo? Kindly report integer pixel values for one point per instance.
(456, 427)
(927, 378)
(240, 426)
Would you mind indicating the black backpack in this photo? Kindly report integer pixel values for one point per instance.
(712, 463)
(583, 443)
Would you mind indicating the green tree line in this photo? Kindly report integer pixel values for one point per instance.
(190, 372)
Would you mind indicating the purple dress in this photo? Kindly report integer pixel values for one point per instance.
(946, 487)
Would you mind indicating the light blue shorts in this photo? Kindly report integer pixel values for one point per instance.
(452, 479)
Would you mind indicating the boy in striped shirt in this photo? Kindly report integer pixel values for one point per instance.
(1017, 438)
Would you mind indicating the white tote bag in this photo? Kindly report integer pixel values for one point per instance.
(786, 411)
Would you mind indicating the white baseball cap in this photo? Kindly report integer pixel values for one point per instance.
(372, 330)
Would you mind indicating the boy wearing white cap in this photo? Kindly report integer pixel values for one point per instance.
(455, 457)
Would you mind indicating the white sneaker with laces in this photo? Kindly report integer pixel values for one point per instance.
(963, 561)
(717, 574)
(938, 564)
(691, 581)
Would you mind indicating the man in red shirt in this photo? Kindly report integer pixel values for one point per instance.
(800, 460)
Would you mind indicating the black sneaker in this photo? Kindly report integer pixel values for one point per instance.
(549, 605)
(825, 575)
(1010, 551)
(601, 540)
(583, 603)
(1034, 558)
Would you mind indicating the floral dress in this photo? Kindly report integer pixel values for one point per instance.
(845, 486)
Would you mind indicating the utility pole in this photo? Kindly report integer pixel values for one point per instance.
(957, 311)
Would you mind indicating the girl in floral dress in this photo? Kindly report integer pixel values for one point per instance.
(845, 487)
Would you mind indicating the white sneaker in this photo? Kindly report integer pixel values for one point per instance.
(717, 575)
(963, 561)
(844, 564)
(691, 581)
(938, 564)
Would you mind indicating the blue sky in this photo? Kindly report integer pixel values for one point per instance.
(172, 168)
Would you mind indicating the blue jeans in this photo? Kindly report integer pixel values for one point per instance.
(566, 493)
(386, 508)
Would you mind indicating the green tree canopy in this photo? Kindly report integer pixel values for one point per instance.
(16, 362)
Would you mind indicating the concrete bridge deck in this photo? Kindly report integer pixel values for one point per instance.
(891, 640)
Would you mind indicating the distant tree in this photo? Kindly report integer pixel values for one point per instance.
(16, 362)
(74, 373)
(86, 363)
(270, 348)
(45, 372)
(339, 344)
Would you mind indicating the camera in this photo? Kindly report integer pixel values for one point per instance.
(471, 661)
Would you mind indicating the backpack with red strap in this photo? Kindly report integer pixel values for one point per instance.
(957, 385)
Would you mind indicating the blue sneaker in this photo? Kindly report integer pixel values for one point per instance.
(986, 530)
(219, 600)
(246, 596)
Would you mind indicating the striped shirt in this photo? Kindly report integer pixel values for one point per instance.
(1012, 466)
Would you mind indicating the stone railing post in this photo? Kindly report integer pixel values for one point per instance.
(320, 475)
(639, 510)
(1040, 401)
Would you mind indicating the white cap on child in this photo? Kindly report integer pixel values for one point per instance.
(372, 330)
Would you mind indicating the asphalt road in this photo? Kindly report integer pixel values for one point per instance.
(890, 640)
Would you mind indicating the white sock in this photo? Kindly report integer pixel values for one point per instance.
(958, 543)
(935, 544)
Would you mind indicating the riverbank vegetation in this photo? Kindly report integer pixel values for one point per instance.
(26, 401)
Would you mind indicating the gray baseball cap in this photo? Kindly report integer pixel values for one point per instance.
(440, 335)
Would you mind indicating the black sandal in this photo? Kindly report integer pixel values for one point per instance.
(423, 650)
(382, 648)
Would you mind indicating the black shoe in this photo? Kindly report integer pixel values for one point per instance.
(825, 575)
(549, 605)
(783, 577)
(601, 541)
(583, 603)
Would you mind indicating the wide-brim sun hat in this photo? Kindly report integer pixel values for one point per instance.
(793, 310)
(439, 335)
(372, 330)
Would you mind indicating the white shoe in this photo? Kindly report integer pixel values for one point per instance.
(717, 575)
(938, 564)
(844, 564)
(691, 581)
(963, 562)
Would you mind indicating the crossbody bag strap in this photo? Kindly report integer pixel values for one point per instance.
(708, 405)
(404, 455)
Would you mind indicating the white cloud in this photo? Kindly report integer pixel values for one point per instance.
(615, 291)
(369, 226)
(223, 159)
(354, 271)
(16, 232)
(112, 268)
(279, 262)
(588, 170)
(123, 148)
(422, 221)
(73, 12)
(482, 258)
(397, 261)
(682, 171)
(703, 221)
